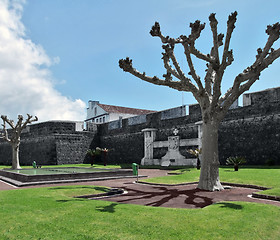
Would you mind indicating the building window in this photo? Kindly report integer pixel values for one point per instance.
(97, 120)
(103, 119)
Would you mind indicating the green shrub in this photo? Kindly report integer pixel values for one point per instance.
(235, 161)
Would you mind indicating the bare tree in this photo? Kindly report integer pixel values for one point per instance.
(213, 104)
(14, 138)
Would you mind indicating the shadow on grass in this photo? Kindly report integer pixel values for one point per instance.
(184, 170)
(110, 208)
(230, 205)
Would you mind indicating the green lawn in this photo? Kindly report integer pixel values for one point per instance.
(254, 175)
(52, 213)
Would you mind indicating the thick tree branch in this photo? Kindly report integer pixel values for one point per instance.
(209, 96)
(213, 25)
(273, 33)
(209, 79)
(182, 85)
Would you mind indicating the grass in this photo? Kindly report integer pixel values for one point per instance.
(255, 175)
(185, 175)
(52, 213)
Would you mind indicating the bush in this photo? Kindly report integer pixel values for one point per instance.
(235, 161)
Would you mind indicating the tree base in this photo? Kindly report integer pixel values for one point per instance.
(208, 186)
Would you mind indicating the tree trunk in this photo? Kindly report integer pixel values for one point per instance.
(209, 173)
(15, 159)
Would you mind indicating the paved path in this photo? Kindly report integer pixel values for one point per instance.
(184, 196)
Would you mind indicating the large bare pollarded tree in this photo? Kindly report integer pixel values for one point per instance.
(213, 104)
(14, 138)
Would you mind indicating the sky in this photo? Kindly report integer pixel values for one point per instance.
(56, 55)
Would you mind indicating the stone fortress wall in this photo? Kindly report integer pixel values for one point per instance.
(252, 131)
(50, 143)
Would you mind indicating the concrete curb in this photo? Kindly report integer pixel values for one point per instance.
(26, 184)
(169, 185)
(266, 197)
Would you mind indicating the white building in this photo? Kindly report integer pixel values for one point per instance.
(102, 113)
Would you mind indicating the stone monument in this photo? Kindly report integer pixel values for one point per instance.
(173, 157)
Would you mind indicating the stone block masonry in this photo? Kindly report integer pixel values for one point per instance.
(251, 131)
(51, 143)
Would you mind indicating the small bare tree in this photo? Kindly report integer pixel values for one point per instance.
(14, 138)
(213, 104)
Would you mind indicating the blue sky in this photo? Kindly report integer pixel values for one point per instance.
(74, 47)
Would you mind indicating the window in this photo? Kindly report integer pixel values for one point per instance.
(97, 120)
(103, 119)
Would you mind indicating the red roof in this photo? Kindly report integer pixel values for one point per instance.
(126, 110)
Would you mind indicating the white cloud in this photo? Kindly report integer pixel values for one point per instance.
(26, 84)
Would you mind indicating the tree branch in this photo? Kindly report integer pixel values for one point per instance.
(19, 123)
(155, 32)
(191, 67)
(10, 122)
(213, 25)
(214, 105)
(5, 134)
(227, 55)
(16, 128)
(169, 50)
(250, 75)
(273, 33)
(29, 120)
(196, 29)
(182, 85)
(168, 67)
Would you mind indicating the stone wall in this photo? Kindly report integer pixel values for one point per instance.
(50, 143)
(252, 131)
(126, 140)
